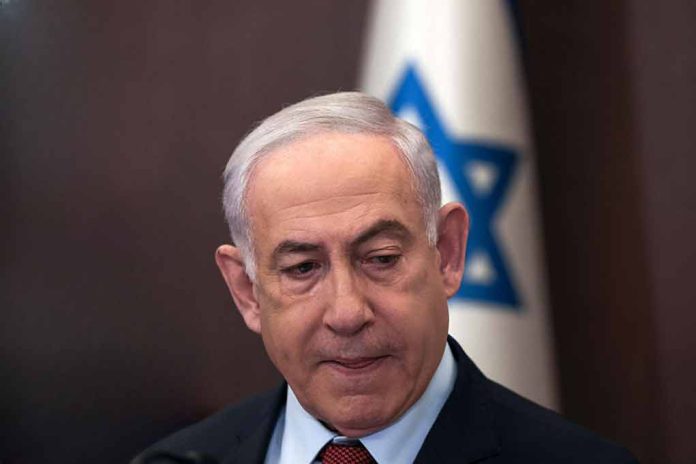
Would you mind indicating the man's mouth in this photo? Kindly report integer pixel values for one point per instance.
(355, 364)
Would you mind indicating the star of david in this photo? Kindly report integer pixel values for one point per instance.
(481, 173)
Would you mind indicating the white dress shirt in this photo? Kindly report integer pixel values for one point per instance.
(298, 437)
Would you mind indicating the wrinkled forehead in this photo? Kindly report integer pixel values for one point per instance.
(329, 176)
(330, 164)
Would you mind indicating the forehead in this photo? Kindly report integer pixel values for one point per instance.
(326, 180)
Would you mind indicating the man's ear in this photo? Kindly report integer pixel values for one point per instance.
(231, 264)
(453, 230)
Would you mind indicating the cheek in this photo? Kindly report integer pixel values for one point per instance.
(286, 328)
(417, 314)
(417, 305)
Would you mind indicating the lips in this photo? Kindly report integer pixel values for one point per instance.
(355, 365)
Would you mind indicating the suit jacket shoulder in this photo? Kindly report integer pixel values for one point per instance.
(485, 422)
(236, 434)
(530, 432)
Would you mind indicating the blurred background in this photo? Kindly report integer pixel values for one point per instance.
(117, 118)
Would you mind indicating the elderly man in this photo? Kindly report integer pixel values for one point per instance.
(343, 262)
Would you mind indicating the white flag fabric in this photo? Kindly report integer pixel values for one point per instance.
(453, 68)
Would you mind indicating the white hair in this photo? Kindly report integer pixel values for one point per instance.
(343, 112)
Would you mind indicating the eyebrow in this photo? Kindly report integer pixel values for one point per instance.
(292, 246)
(389, 226)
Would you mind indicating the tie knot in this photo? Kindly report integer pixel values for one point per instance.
(353, 453)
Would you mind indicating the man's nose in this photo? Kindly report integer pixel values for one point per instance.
(348, 311)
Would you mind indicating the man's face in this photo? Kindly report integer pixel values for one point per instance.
(351, 303)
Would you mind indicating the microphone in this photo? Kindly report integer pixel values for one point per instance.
(162, 457)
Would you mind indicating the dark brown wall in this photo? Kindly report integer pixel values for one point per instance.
(601, 295)
(613, 87)
(663, 66)
(116, 120)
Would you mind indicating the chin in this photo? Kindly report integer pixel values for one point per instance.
(356, 417)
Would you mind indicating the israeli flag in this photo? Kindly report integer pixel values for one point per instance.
(453, 68)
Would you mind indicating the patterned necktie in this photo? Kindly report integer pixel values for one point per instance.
(354, 453)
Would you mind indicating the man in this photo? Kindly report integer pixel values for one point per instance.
(343, 262)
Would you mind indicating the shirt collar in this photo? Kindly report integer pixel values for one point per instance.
(304, 436)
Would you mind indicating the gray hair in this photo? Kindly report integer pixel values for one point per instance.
(344, 112)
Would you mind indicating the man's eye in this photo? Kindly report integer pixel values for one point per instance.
(301, 270)
(383, 261)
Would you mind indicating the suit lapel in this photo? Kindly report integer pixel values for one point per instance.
(463, 431)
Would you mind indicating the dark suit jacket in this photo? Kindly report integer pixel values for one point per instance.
(481, 422)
